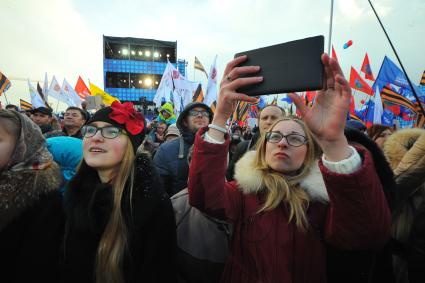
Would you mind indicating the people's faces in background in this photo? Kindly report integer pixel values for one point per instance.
(160, 128)
(84, 105)
(41, 119)
(165, 114)
(8, 139)
(268, 116)
(197, 118)
(382, 137)
(379, 134)
(74, 118)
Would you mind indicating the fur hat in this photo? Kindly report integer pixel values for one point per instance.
(172, 130)
(399, 143)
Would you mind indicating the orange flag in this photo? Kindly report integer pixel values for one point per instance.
(81, 88)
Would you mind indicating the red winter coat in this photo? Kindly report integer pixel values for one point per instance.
(265, 247)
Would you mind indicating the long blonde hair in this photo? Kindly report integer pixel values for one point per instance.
(277, 188)
(113, 242)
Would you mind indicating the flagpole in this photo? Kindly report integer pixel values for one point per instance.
(330, 27)
(398, 59)
(57, 105)
(5, 97)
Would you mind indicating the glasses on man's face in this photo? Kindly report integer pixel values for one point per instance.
(108, 132)
(292, 139)
(195, 113)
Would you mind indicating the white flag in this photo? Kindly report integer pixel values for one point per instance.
(55, 91)
(68, 91)
(183, 90)
(165, 87)
(378, 109)
(36, 100)
(211, 94)
(46, 87)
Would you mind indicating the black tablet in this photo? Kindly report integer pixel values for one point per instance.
(286, 67)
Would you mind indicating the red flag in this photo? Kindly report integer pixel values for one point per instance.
(366, 68)
(352, 106)
(81, 88)
(309, 97)
(334, 53)
(358, 83)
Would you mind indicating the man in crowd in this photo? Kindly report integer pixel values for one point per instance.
(42, 116)
(171, 157)
(157, 134)
(74, 119)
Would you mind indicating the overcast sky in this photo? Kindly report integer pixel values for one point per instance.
(64, 37)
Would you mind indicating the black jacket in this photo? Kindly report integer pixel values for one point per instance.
(240, 150)
(150, 253)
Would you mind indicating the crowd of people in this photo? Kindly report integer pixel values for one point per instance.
(109, 197)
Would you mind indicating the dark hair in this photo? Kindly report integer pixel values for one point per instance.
(83, 113)
(376, 130)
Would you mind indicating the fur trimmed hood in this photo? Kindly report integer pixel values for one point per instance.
(21, 189)
(249, 179)
(399, 143)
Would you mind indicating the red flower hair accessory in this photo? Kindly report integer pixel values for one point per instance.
(125, 114)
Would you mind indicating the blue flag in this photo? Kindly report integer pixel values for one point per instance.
(391, 73)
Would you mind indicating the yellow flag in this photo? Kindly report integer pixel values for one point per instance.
(107, 99)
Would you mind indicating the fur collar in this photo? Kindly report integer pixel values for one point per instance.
(22, 189)
(250, 181)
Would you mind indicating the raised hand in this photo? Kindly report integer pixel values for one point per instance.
(326, 119)
(231, 81)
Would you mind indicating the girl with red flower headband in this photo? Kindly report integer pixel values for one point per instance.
(120, 223)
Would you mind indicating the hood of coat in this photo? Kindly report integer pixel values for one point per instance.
(21, 189)
(249, 179)
(399, 143)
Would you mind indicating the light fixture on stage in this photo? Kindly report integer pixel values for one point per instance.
(140, 53)
(133, 52)
(148, 82)
(119, 51)
(147, 53)
(125, 52)
(168, 55)
(140, 81)
(156, 54)
(156, 82)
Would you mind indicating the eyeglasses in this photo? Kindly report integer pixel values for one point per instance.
(292, 139)
(195, 113)
(108, 132)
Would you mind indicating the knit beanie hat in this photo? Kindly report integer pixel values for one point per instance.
(125, 117)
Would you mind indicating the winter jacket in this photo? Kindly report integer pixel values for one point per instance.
(371, 265)
(171, 157)
(151, 235)
(31, 217)
(67, 152)
(347, 211)
(240, 150)
(405, 151)
(168, 107)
